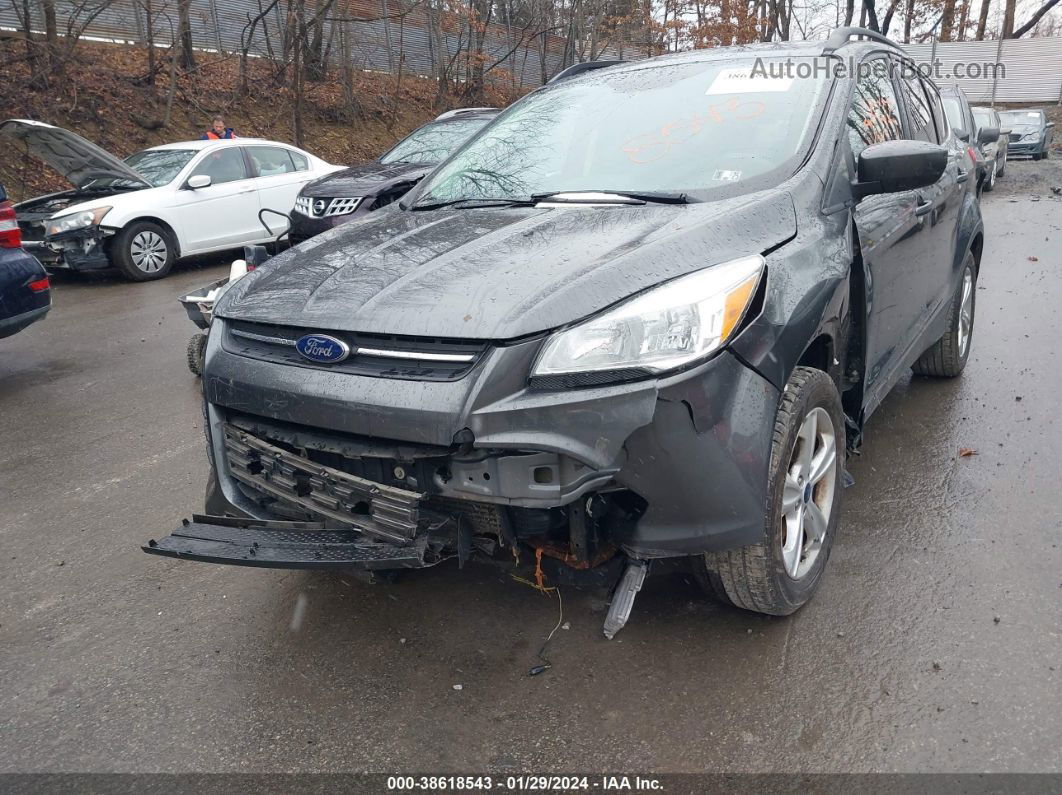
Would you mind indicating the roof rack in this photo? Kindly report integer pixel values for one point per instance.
(458, 111)
(840, 36)
(579, 68)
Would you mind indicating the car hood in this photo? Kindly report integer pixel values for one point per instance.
(498, 273)
(78, 160)
(364, 180)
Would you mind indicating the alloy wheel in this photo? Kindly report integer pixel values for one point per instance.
(807, 496)
(148, 251)
(966, 311)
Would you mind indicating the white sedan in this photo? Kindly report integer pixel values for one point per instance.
(141, 214)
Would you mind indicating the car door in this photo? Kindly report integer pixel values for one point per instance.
(279, 173)
(937, 273)
(224, 214)
(892, 239)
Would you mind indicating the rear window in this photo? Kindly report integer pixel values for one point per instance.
(953, 110)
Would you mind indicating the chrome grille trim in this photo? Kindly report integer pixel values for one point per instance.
(414, 355)
(248, 335)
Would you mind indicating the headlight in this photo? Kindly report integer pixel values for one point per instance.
(68, 223)
(667, 327)
(1033, 136)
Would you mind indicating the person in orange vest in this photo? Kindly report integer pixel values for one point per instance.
(218, 130)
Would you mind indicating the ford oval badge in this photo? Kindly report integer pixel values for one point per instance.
(322, 348)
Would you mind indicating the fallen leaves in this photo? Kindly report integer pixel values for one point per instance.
(966, 452)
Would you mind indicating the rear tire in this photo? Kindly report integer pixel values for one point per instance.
(990, 183)
(196, 353)
(143, 251)
(947, 357)
(780, 575)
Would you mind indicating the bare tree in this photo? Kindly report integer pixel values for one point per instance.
(1036, 17)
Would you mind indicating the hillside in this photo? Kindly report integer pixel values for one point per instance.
(102, 96)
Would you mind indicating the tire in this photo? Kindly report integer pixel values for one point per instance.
(777, 577)
(990, 183)
(1002, 166)
(196, 353)
(947, 357)
(143, 251)
(1036, 156)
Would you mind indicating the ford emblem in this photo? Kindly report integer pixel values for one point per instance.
(322, 348)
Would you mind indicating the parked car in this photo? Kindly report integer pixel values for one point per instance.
(351, 193)
(643, 314)
(960, 116)
(142, 213)
(995, 152)
(1030, 132)
(25, 293)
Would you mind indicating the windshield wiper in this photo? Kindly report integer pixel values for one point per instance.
(466, 204)
(605, 196)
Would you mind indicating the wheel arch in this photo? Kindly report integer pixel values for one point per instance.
(166, 226)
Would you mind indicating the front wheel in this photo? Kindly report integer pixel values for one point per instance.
(143, 251)
(780, 574)
(946, 358)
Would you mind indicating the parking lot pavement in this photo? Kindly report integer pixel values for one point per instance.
(934, 643)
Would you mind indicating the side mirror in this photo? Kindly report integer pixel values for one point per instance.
(896, 166)
(987, 135)
(1050, 124)
(198, 181)
(962, 135)
(1004, 133)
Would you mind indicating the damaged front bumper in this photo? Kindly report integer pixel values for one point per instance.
(654, 468)
(79, 250)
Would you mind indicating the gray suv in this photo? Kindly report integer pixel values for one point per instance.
(643, 314)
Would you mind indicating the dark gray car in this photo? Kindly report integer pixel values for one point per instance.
(642, 315)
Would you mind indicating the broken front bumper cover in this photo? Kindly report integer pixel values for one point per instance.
(285, 545)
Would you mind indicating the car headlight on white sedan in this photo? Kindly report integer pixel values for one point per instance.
(78, 220)
(665, 328)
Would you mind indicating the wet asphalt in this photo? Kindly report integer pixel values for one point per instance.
(935, 642)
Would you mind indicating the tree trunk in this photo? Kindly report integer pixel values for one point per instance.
(849, 13)
(982, 20)
(964, 18)
(51, 33)
(1008, 19)
(184, 34)
(908, 16)
(872, 15)
(947, 20)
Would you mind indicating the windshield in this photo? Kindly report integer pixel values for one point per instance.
(159, 166)
(983, 118)
(1021, 118)
(692, 127)
(433, 143)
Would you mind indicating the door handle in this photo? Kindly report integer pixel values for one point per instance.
(246, 190)
(923, 207)
(962, 176)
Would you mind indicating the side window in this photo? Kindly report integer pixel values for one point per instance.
(223, 165)
(302, 163)
(918, 111)
(270, 161)
(937, 107)
(874, 116)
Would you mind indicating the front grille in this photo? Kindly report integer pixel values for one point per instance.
(373, 355)
(1015, 136)
(295, 482)
(325, 207)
